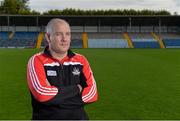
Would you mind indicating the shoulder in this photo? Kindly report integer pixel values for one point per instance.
(37, 56)
(80, 58)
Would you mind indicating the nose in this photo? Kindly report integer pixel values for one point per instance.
(64, 37)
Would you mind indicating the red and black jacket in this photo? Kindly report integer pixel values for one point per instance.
(53, 83)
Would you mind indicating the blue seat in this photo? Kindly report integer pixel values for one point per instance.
(146, 45)
(107, 43)
(171, 43)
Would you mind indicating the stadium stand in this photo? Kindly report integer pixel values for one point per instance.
(20, 40)
(94, 31)
(171, 40)
(107, 43)
(44, 42)
(76, 41)
(106, 40)
(3, 35)
(142, 40)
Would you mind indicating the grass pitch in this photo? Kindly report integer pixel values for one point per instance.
(132, 83)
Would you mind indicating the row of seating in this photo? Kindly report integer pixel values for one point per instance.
(95, 40)
(107, 43)
(4, 35)
(172, 43)
(19, 43)
(25, 35)
(18, 39)
(146, 45)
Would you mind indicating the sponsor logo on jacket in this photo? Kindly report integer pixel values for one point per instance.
(51, 73)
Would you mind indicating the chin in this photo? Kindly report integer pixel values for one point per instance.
(64, 49)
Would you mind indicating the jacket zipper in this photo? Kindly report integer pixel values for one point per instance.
(61, 71)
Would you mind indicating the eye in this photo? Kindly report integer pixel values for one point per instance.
(68, 33)
(59, 34)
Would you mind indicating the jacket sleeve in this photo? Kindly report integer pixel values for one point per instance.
(40, 88)
(89, 93)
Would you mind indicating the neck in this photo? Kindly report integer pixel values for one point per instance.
(59, 55)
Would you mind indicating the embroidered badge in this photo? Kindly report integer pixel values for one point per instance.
(76, 71)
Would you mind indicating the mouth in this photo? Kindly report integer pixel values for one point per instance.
(64, 44)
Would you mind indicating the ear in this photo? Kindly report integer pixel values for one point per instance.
(47, 36)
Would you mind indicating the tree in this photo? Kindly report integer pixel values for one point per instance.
(14, 6)
(28, 12)
(71, 11)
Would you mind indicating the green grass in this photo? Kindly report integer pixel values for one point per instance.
(132, 83)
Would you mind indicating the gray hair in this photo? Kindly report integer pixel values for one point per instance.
(52, 22)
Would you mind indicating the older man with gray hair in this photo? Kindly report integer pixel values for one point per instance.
(60, 81)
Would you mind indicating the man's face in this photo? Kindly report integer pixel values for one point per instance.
(60, 38)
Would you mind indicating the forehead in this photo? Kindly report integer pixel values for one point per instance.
(61, 27)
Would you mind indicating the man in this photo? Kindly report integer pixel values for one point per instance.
(60, 81)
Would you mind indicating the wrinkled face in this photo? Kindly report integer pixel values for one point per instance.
(59, 40)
